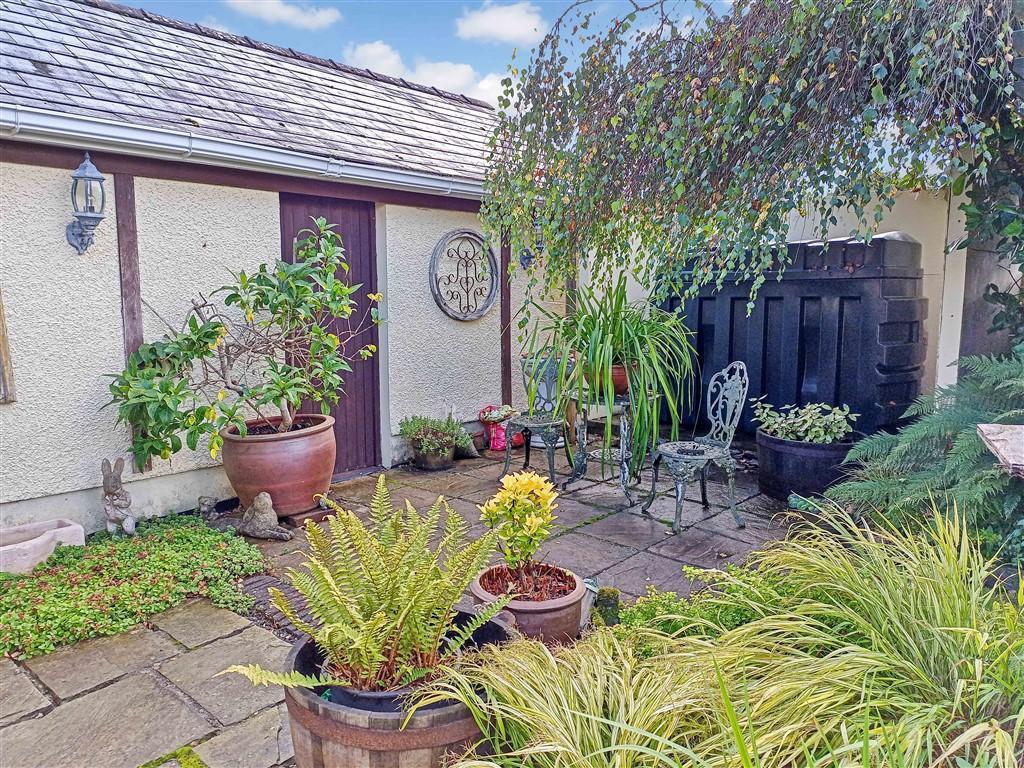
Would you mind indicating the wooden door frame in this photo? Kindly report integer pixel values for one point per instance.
(284, 198)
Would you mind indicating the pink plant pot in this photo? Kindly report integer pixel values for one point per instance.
(495, 435)
(23, 547)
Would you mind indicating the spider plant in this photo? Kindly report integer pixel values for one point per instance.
(606, 329)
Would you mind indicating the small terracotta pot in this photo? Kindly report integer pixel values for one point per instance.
(555, 620)
(292, 467)
(431, 461)
(620, 379)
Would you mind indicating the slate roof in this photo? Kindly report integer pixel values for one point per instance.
(98, 59)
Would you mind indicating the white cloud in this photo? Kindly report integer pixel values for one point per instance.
(516, 23)
(378, 56)
(214, 23)
(446, 75)
(299, 15)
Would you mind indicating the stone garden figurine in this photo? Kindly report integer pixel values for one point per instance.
(260, 520)
(117, 502)
(207, 508)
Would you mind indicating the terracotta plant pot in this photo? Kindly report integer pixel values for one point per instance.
(356, 728)
(620, 380)
(292, 467)
(555, 620)
(432, 462)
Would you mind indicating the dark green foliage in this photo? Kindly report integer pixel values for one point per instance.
(607, 607)
(112, 584)
(434, 436)
(940, 456)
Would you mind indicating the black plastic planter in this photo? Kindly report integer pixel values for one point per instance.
(793, 466)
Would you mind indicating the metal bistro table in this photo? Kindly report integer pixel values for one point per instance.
(621, 456)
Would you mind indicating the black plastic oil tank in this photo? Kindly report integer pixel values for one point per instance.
(843, 325)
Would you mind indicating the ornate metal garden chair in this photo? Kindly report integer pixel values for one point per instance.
(689, 460)
(543, 419)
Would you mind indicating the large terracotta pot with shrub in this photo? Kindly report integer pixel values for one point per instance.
(293, 467)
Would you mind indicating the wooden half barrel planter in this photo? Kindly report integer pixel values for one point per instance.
(293, 467)
(365, 729)
(556, 620)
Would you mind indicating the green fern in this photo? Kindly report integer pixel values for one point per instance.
(939, 456)
(381, 596)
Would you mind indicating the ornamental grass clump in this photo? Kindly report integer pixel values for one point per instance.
(381, 597)
(887, 649)
(521, 514)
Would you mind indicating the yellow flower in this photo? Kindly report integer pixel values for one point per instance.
(210, 414)
(221, 395)
(375, 296)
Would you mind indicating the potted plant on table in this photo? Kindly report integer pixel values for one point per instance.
(610, 347)
(800, 450)
(377, 605)
(245, 362)
(546, 600)
(434, 441)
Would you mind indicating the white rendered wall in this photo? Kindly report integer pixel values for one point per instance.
(65, 331)
(434, 363)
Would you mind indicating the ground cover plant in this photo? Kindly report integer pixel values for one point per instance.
(113, 583)
(888, 647)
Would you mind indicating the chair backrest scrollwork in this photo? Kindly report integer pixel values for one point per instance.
(540, 379)
(727, 392)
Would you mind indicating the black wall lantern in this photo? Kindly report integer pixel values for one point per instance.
(88, 200)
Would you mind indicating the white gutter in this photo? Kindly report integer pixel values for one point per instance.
(90, 133)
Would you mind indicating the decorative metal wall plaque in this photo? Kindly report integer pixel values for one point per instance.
(463, 275)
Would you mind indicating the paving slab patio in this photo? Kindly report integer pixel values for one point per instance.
(229, 698)
(131, 698)
(123, 725)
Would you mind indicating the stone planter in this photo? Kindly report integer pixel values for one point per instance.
(292, 467)
(793, 466)
(357, 728)
(433, 462)
(555, 620)
(23, 547)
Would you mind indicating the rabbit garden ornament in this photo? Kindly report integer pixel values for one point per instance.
(117, 502)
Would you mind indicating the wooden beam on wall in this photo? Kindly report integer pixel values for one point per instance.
(48, 156)
(506, 322)
(128, 257)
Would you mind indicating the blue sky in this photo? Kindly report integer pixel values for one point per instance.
(456, 45)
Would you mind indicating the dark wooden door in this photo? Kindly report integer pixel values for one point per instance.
(357, 415)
